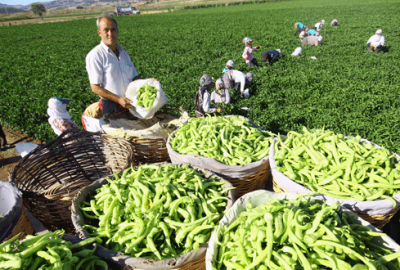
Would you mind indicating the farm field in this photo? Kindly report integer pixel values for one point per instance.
(346, 89)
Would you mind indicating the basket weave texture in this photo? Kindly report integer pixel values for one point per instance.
(200, 264)
(149, 150)
(52, 174)
(253, 182)
(24, 226)
(379, 221)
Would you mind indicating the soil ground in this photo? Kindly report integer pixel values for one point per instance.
(9, 157)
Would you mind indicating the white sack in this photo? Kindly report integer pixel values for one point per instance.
(132, 94)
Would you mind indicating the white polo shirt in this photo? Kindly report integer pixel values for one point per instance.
(105, 69)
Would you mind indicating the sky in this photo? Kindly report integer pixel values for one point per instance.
(20, 2)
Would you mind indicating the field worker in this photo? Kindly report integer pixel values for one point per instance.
(312, 32)
(237, 79)
(319, 25)
(59, 117)
(248, 52)
(110, 68)
(220, 94)
(297, 51)
(334, 22)
(298, 25)
(229, 66)
(3, 139)
(303, 34)
(203, 100)
(376, 42)
(311, 40)
(271, 56)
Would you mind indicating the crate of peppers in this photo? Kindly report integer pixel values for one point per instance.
(359, 174)
(268, 230)
(157, 216)
(231, 146)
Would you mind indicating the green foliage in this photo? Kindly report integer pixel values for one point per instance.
(347, 89)
(38, 9)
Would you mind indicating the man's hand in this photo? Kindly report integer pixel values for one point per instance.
(257, 47)
(125, 102)
(219, 110)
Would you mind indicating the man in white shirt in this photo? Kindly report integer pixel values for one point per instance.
(376, 42)
(110, 68)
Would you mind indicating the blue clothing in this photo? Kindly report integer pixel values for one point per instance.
(312, 32)
(225, 70)
(300, 25)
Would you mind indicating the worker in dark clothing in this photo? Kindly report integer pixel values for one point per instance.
(3, 140)
(271, 56)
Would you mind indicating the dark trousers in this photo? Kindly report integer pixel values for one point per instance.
(253, 63)
(109, 106)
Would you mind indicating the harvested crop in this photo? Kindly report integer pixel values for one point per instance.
(146, 96)
(49, 251)
(336, 166)
(231, 140)
(156, 212)
(299, 234)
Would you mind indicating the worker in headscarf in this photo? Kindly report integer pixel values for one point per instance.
(298, 25)
(220, 94)
(237, 79)
(376, 42)
(248, 52)
(319, 25)
(271, 56)
(303, 34)
(334, 22)
(312, 32)
(229, 65)
(59, 118)
(203, 100)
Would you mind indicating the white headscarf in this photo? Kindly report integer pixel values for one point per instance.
(58, 108)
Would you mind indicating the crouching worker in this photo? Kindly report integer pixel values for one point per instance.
(203, 100)
(334, 22)
(221, 94)
(376, 42)
(235, 79)
(60, 119)
(298, 25)
(271, 56)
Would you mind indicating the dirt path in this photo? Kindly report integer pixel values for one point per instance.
(9, 157)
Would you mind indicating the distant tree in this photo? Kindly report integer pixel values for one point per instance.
(79, 7)
(38, 9)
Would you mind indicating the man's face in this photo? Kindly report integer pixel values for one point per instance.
(108, 32)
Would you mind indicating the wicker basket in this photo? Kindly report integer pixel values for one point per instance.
(200, 264)
(149, 150)
(24, 226)
(51, 175)
(379, 221)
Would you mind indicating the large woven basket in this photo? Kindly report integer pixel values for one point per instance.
(149, 150)
(52, 174)
(24, 226)
(379, 221)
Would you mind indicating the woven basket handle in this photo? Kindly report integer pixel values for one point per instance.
(31, 194)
